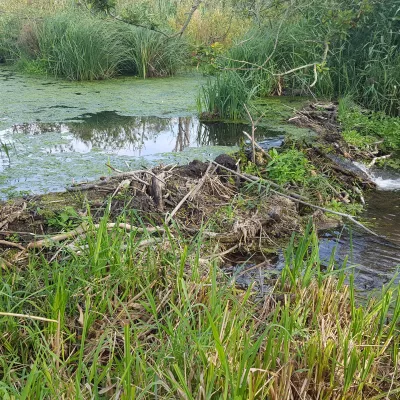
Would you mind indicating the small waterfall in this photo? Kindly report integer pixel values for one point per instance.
(384, 180)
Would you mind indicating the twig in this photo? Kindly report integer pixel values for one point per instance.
(372, 163)
(122, 185)
(224, 253)
(6, 314)
(82, 229)
(191, 192)
(253, 131)
(257, 145)
(349, 217)
(5, 262)
(275, 185)
(113, 168)
(12, 244)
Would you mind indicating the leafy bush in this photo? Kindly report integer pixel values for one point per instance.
(362, 56)
(289, 166)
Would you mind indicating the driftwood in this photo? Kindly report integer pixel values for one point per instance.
(347, 216)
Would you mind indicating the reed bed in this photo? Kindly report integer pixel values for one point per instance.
(160, 320)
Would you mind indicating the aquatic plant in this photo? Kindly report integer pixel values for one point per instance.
(224, 97)
(151, 54)
(80, 47)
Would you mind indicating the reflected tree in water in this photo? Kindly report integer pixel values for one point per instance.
(110, 131)
(183, 135)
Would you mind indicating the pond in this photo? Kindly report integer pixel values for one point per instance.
(54, 133)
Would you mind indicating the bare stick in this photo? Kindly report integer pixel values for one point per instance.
(81, 229)
(372, 163)
(224, 253)
(57, 238)
(191, 192)
(257, 145)
(12, 244)
(276, 186)
(6, 314)
(253, 131)
(349, 217)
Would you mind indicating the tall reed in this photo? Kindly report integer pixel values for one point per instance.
(224, 97)
(80, 47)
(153, 320)
(151, 54)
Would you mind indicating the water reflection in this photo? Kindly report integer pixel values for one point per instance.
(137, 136)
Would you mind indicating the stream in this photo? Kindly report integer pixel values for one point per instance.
(54, 133)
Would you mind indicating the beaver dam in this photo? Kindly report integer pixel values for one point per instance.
(128, 284)
(246, 217)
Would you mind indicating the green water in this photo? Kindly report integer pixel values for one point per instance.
(55, 132)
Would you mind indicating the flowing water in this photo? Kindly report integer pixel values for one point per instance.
(375, 261)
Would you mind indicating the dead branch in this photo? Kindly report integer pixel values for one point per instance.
(84, 229)
(224, 253)
(195, 6)
(12, 244)
(156, 190)
(257, 145)
(347, 216)
(191, 193)
(372, 163)
(12, 217)
(275, 185)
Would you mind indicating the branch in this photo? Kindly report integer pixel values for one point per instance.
(195, 6)
(349, 217)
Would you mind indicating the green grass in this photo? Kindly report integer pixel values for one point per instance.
(79, 47)
(224, 97)
(150, 54)
(159, 321)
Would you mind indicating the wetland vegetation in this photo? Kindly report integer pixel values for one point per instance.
(162, 282)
